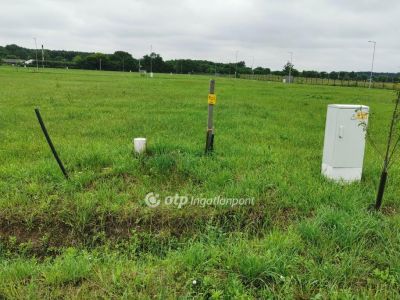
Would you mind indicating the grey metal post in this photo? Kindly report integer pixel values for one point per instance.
(236, 58)
(372, 65)
(37, 63)
(210, 123)
(151, 59)
(290, 69)
(42, 58)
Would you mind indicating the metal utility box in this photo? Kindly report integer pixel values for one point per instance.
(344, 143)
(288, 79)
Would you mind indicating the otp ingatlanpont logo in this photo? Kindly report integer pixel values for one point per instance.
(152, 200)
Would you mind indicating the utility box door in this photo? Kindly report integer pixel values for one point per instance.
(345, 136)
(349, 140)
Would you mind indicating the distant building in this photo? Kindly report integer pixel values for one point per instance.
(29, 61)
(12, 61)
(288, 79)
(17, 61)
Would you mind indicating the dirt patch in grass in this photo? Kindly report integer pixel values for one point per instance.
(43, 236)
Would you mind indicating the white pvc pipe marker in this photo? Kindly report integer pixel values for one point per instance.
(140, 145)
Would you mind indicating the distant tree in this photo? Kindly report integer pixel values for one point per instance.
(155, 62)
(78, 60)
(18, 51)
(3, 52)
(352, 75)
(122, 60)
(277, 73)
(289, 67)
(324, 75)
(11, 56)
(333, 75)
(95, 60)
(262, 71)
(310, 74)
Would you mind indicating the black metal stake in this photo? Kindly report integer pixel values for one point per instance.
(210, 125)
(53, 149)
(381, 190)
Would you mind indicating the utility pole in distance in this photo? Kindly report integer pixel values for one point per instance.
(372, 65)
(291, 64)
(212, 100)
(252, 67)
(151, 60)
(236, 58)
(42, 58)
(37, 63)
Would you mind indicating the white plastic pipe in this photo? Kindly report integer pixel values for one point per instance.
(140, 145)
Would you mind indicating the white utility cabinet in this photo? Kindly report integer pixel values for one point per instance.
(344, 143)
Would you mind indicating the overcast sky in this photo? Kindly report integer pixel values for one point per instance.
(322, 34)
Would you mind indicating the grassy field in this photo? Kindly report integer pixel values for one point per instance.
(93, 235)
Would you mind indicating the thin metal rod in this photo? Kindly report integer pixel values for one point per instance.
(372, 65)
(392, 125)
(42, 57)
(290, 67)
(151, 59)
(393, 151)
(53, 149)
(37, 63)
(386, 162)
(236, 64)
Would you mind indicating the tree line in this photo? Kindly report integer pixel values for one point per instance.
(153, 62)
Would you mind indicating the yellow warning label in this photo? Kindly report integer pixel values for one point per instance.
(362, 115)
(212, 99)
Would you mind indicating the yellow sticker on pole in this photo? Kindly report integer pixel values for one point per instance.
(212, 99)
(361, 115)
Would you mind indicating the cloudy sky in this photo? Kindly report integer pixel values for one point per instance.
(322, 34)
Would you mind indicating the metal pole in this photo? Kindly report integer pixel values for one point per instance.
(252, 67)
(372, 65)
(100, 64)
(290, 67)
(151, 60)
(53, 149)
(210, 124)
(37, 63)
(42, 58)
(236, 58)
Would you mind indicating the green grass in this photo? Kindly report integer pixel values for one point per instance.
(93, 236)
